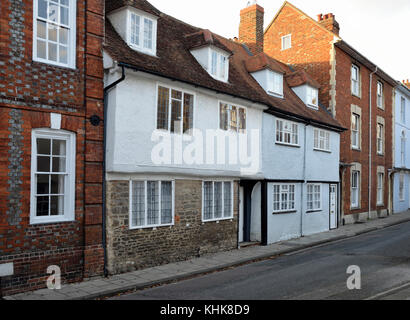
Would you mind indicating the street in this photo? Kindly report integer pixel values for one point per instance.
(317, 273)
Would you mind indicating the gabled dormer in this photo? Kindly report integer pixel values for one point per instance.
(267, 72)
(138, 28)
(305, 88)
(210, 53)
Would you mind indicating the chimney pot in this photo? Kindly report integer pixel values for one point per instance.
(320, 17)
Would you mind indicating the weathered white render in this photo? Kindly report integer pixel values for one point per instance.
(401, 175)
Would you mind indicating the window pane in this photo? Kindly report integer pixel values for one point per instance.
(52, 32)
(41, 49)
(163, 108)
(208, 200)
(64, 16)
(222, 61)
(223, 116)
(43, 146)
(152, 203)
(43, 164)
(59, 164)
(166, 202)
(64, 2)
(42, 206)
(53, 12)
(138, 203)
(41, 29)
(57, 206)
(214, 63)
(188, 111)
(63, 35)
(227, 199)
(234, 119)
(135, 29)
(176, 116)
(63, 54)
(43, 186)
(57, 184)
(218, 199)
(59, 147)
(52, 52)
(242, 119)
(42, 9)
(148, 34)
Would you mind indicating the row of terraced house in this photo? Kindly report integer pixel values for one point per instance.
(130, 139)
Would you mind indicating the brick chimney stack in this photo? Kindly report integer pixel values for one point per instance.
(406, 83)
(251, 27)
(329, 22)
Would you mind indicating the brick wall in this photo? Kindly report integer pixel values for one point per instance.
(189, 237)
(251, 28)
(29, 91)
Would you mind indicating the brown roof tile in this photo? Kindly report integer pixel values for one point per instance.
(111, 5)
(262, 61)
(299, 78)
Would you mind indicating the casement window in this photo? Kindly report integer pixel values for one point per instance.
(401, 187)
(232, 118)
(314, 197)
(380, 135)
(219, 65)
(287, 42)
(54, 32)
(151, 204)
(143, 33)
(380, 183)
(355, 131)
(312, 96)
(175, 110)
(287, 132)
(52, 176)
(355, 77)
(403, 110)
(403, 149)
(217, 200)
(283, 198)
(380, 95)
(275, 83)
(321, 140)
(355, 189)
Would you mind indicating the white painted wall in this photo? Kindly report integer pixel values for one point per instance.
(256, 218)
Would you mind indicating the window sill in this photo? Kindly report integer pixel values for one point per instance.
(380, 205)
(54, 64)
(173, 134)
(284, 212)
(37, 221)
(151, 53)
(355, 95)
(276, 95)
(380, 154)
(314, 210)
(355, 208)
(287, 144)
(321, 150)
(217, 220)
(381, 108)
(356, 149)
(152, 227)
(312, 106)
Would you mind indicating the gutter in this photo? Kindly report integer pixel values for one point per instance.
(370, 142)
(104, 221)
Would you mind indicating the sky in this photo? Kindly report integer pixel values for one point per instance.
(378, 29)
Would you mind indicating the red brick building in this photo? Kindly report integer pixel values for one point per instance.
(345, 76)
(51, 154)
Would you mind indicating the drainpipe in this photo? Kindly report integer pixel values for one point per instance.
(304, 184)
(104, 231)
(370, 142)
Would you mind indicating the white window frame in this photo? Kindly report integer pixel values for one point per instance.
(230, 106)
(312, 93)
(380, 188)
(380, 95)
(282, 192)
(221, 72)
(140, 46)
(148, 226)
(71, 41)
(283, 41)
(379, 138)
(170, 109)
(313, 193)
(69, 186)
(275, 83)
(320, 136)
(284, 132)
(356, 131)
(355, 83)
(355, 189)
(401, 187)
(230, 217)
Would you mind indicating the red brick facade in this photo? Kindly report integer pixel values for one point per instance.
(251, 28)
(29, 92)
(313, 50)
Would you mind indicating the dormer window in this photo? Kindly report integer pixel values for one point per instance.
(312, 97)
(219, 65)
(275, 83)
(142, 35)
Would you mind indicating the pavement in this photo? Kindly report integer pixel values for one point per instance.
(141, 279)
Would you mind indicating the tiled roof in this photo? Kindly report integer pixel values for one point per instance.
(262, 61)
(111, 5)
(299, 78)
(175, 61)
(203, 38)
